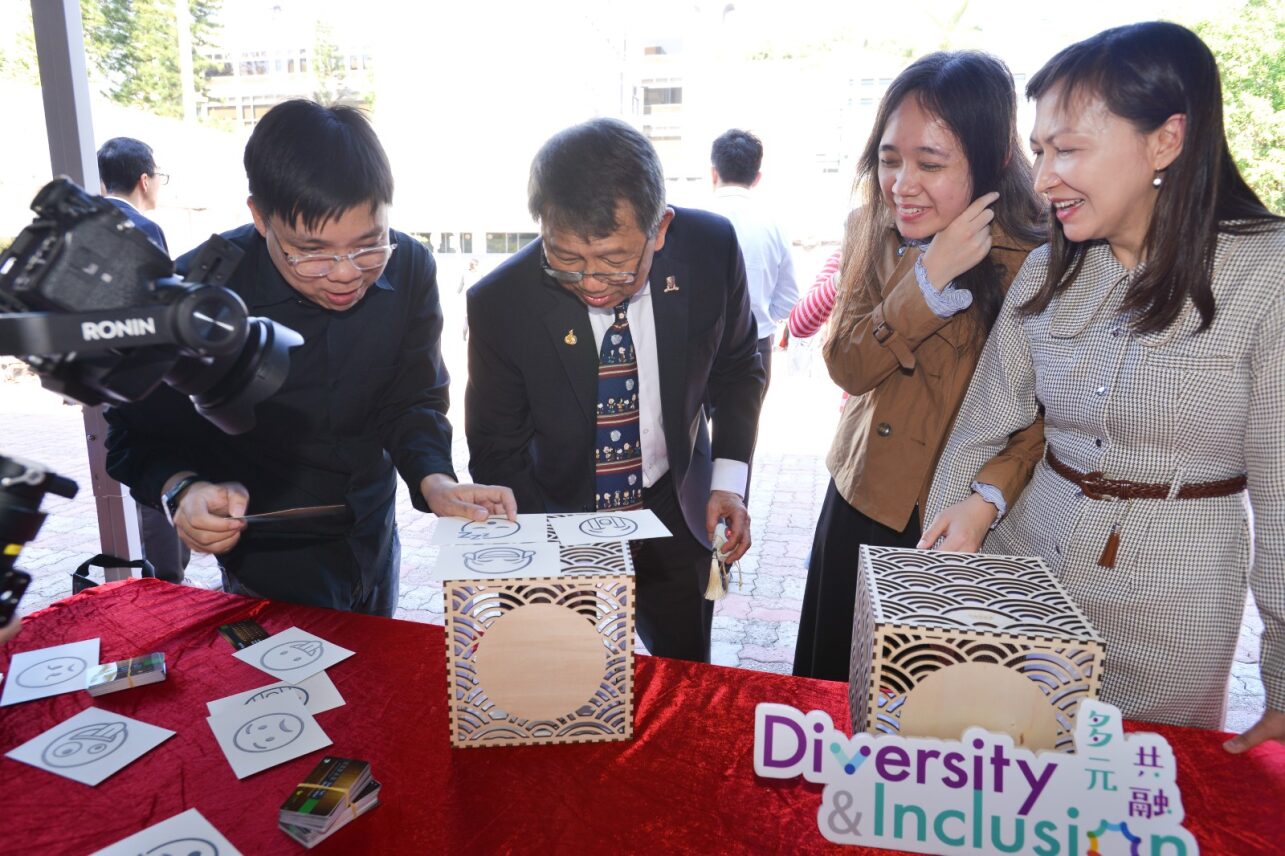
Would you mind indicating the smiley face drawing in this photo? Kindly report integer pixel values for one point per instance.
(498, 560)
(608, 527)
(268, 732)
(51, 672)
(292, 655)
(272, 692)
(85, 745)
(490, 529)
(185, 847)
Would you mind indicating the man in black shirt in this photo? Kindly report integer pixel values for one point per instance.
(366, 391)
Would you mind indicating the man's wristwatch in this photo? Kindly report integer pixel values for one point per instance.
(169, 499)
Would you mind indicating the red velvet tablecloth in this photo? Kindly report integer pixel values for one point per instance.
(685, 783)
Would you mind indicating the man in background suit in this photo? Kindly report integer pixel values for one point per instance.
(128, 179)
(600, 355)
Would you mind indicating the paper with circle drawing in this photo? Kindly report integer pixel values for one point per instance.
(602, 526)
(186, 834)
(91, 745)
(527, 529)
(482, 561)
(49, 671)
(318, 694)
(293, 655)
(263, 735)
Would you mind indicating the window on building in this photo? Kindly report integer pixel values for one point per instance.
(661, 99)
(508, 242)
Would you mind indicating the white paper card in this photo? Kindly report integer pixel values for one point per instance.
(91, 745)
(267, 733)
(318, 694)
(527, 529)
(293, 655)
(49, 671)
(602, 526)
(481, 561)
(181, 835)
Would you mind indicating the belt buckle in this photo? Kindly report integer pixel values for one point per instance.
(882, 332)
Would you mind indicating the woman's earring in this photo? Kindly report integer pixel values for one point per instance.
(1158, 180)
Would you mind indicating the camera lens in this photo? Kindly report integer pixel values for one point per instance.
(225, 389)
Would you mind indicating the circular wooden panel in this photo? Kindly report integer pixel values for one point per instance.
(540, 661)
(998, 699)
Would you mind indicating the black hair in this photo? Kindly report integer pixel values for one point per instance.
(972, 94)
(1145, 73)
(583, 173)
(312, 163)
(122, 161)
(738, 156)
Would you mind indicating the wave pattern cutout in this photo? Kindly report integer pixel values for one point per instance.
(1013, 594)
(606, 602)
(918, 612)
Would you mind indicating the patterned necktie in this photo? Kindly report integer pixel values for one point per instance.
(617, 455)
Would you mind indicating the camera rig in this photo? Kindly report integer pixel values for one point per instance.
(93, 306)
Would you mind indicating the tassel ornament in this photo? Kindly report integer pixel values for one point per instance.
(1112, 546)
(720, 575)
(1107, 559)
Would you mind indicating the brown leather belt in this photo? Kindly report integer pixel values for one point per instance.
(1097, 486)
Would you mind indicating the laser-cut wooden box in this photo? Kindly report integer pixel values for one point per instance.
(942, 641)
(544, 660)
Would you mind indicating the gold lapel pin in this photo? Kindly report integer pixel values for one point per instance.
(570, 338)
(670, 285)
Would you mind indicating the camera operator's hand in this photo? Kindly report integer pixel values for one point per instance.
(448, 498)
(10, 630)
(203, 517)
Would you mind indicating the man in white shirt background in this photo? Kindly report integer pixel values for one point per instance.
(736, 160)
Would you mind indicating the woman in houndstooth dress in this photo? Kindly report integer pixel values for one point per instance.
(1152, 332)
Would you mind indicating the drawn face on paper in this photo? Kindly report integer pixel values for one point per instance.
(273, 692)
(292, 655)
(498, 560)
(51, 672)
(488, 530)
(608, 527)
(268, 732)
(185, 847)
(85, 745)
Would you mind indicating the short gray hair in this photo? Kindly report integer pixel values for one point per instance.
(582, 173)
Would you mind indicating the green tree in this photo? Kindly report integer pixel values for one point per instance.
(1249, 42)
(329, 67)
(133, 47)
(18, 43)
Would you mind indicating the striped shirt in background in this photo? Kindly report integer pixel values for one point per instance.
(814, 308)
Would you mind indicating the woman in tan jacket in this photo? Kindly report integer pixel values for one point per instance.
(947, 218)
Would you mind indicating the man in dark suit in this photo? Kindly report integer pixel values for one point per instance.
(600, 354)
(127, 173)
(128, 179)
